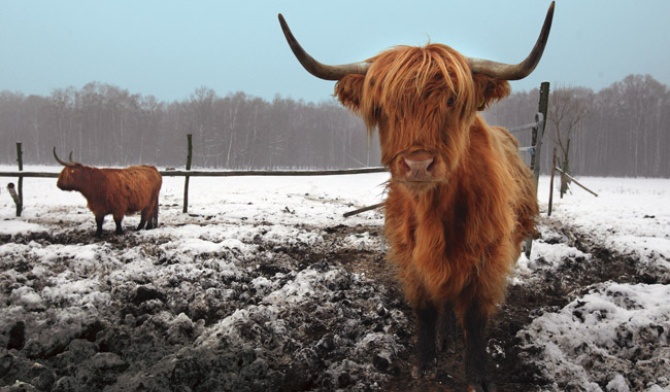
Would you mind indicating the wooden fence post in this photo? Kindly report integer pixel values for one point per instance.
(551, 183)
(189, 158)
(19, 200)
(12, 192)
(538, 132)
(543, 105)
(572, 179)
(360, 210)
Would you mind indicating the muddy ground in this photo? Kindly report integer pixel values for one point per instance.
(232, 332)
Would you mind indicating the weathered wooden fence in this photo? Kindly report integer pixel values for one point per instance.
(535, 149)
(187, 174)
(554, 169)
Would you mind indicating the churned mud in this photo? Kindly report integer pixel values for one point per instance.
(262, 315)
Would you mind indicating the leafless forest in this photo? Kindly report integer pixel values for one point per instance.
(622, 130)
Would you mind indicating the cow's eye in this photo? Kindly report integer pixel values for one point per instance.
(451, 101)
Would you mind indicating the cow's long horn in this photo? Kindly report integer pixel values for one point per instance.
(63, 162)
(322, 71)
(524, 68)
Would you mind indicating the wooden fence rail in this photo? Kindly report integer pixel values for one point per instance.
(220, 173)
(205, 173)
(187, 174)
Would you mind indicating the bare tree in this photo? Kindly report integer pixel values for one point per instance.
(201, 111)
(567, 109)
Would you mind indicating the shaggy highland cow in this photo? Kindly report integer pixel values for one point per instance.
(114, 191)
(460, 200)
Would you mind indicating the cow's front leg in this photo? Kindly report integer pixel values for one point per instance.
(118, 219)
(449, 328)
(476, 358)
(99, 219)
(427, 316)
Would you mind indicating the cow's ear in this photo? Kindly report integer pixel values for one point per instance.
(489, 90)
(349, 91)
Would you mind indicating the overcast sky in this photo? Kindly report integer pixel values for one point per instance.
(168, 48)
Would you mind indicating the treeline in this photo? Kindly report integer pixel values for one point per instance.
(622, 130)
(106, 125)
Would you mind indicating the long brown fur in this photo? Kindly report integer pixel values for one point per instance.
(456, 238)
(118, 192)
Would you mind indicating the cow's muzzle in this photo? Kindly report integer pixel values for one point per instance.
(418, 166)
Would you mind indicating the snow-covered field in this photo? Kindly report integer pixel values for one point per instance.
(263, 285)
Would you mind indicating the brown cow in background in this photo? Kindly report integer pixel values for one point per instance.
(114, 191)
(460, 199)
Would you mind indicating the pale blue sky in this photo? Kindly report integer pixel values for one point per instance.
(168, 48)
